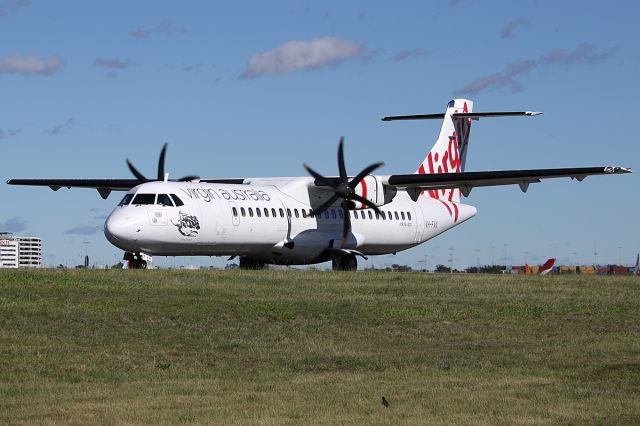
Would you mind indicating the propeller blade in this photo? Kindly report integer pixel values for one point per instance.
(346, 226)
(188, 178)
(324, 206)
(341, 167)
(161, 163)
(365, 202)
(367, 170)
(136, 173)
(321, 179)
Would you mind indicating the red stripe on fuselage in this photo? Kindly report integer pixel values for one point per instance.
(364, 191)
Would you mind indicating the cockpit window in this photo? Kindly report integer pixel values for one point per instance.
(126, 200)
(178, 202)
(141, 199)
(164, 200)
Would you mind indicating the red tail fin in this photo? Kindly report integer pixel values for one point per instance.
(547, 267)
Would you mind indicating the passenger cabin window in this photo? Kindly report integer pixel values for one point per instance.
(144, 199)
(402, 213)
(242, 212)
(396, 215)
(281, 213)
(408, 215)
(362, 214)
(333, 214)
(177, 201)
(370, 215)
(304, 213)
(273, 212)
(250, 212)
(235, 211)
(164, 200)
(295, 211)
(126, 200)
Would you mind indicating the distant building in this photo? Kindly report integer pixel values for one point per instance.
(20, 252)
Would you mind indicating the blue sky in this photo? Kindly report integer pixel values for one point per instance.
(257, 88)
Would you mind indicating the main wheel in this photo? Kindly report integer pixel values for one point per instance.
(249, 263)
(344, 262)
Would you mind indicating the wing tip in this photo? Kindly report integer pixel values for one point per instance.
(617, 170)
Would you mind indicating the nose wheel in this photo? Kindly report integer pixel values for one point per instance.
(135, 260)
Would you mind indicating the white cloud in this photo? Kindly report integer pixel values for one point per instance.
(29, 65)
(59, 128)
(296, 55)
(583, 54)
(165, 28)
(84, 230)
(118, 64)
(407, 54)
(8, 134)
(12, 6)
(497, 80)
(15, 224)
(509, 29)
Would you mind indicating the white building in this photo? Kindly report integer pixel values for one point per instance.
(20, 252)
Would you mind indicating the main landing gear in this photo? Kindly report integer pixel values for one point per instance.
(135, 260)
(249, 263)
(344, 262)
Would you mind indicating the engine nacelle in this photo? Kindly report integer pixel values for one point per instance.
(375, 191)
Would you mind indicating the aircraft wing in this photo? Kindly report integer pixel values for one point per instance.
(103, 186)
(466, 181)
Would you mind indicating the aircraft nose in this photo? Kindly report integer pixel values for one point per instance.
(118, 229)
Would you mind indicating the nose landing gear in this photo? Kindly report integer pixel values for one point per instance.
(135, 260)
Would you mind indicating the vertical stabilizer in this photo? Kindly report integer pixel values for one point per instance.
(449, 153)
(547, 267)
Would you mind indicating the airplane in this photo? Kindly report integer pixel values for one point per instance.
(544, 269)
(312, 219)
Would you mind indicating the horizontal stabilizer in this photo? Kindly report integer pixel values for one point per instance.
(472, 115)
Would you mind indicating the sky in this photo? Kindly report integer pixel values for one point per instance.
(243, 89)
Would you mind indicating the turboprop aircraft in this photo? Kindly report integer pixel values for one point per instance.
(307, 220)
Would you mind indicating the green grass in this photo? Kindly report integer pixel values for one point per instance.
(283, 347)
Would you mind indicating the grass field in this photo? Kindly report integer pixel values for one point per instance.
(284, 347)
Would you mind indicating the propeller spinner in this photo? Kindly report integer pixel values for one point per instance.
(344, 189)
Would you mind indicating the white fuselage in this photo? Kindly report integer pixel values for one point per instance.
(267, 220)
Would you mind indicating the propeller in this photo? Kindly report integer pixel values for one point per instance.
(142, 179)
(344, 189)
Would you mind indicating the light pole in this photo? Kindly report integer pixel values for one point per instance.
(619, 255)
(86, 254)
